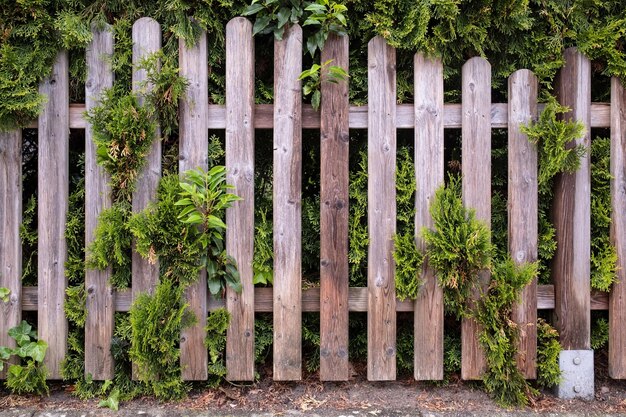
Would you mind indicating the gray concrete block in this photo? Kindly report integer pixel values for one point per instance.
(577, 374)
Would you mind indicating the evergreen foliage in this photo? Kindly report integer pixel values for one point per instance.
(156, 322)
(215, 341)
(458, 247)
(603, 253)
(548, 351)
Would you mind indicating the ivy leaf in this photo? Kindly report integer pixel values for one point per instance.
(4, 294)
(22, 333)
(35, 350)
(113, 401)
(5, 354)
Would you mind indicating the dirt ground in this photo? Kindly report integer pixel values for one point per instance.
(311, 395)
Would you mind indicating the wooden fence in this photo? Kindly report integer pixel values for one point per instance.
(570, 296)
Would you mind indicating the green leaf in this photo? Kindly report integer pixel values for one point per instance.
(314, 7)
(316, 99)
(283, 16)
(193, 218)
(16, 370)
(35, 350)
(112, 402)
(215, 286)
(254, 8)
(183, 202)
(21, 333)
(4, 294)
(260, 24)
(215, 222)
(5, 353)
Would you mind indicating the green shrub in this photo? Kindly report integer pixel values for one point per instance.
(29, 375)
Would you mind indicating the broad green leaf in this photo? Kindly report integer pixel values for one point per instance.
(4, 294)
(21, 333)
(260, 24)
(215, 286)
(320, 8)
(254, 8)
(193, 218)
(283, 16)
(311, 21)
(5, 353)
(183, 202)
(215, 222)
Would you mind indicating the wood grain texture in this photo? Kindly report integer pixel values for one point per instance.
(357, 300)
(146, 41)
(405, 116)
(572, 214)
(617, 299)
(523, 211)
(53, 193)
(10, 243)
(476, 185)
(99, 324)
(429, 171)
(240, 174)
(334, 176)
(381, 214)
(288, 206)
(193, 153)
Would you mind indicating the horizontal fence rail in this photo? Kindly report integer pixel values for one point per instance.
(570, 296)
(357, 118)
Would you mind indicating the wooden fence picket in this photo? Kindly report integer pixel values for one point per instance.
(193, 153)
(53, 196)
(10, 243)
(334, 175)
(476, 184)
(99, 323)
(571, 267)
(429, 171)
(381, 219)
(240, 174)
(617, 300)
(146, 41)
(523, 215)
(288, 206)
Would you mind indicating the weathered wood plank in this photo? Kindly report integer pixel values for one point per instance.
(476, 185)
(53, 192)
(429, 171)
(146, 41)
(523, 211)
(146, 35)
(357, 300)
(381, 220)
(99, 324)
(617, 299)
(287, 206)
(240, 174)
(193, 153)
(571, 213)
(10, 243)
(264, 116)
(335, 138)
